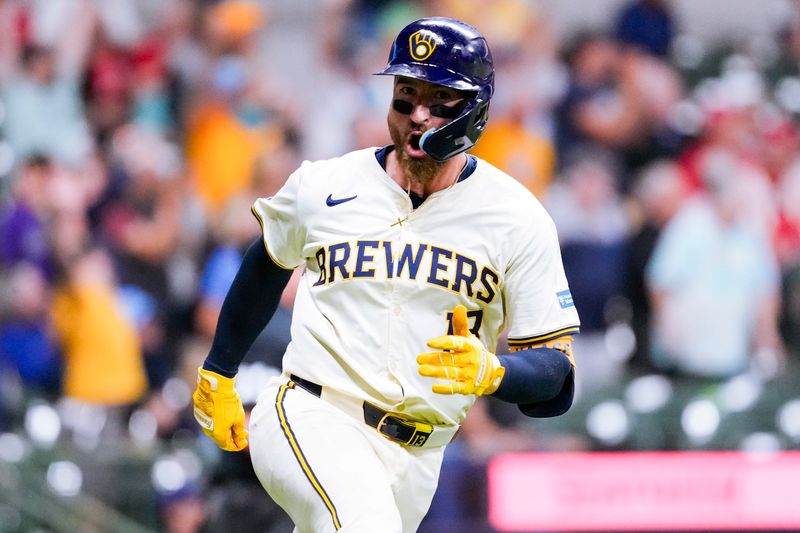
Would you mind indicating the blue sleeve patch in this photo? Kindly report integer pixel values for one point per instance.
(565, 299)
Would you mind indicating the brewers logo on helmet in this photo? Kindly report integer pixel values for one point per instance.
(421, 45)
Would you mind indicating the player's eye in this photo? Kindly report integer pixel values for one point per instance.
(406, 90)
(444, 96)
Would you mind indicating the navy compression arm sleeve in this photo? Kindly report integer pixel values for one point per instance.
(536, 376)
(249, 305)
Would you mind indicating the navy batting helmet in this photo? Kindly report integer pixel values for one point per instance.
(452, 53)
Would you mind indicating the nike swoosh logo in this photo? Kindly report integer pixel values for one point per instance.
(330, 201)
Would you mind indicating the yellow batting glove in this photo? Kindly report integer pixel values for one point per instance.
(463, 360)
(219, 411)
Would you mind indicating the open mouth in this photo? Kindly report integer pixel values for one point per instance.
(412, 147)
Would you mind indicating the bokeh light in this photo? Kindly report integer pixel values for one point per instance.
(42, 425)
(608, 422)
(65, 478)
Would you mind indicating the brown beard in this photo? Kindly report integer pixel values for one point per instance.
(421, 170)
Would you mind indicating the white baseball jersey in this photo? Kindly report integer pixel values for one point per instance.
(382, 278)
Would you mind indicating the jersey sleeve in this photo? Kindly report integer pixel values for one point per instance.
(539, 303)
(281, 223)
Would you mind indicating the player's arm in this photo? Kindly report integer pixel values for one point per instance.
(248, 306)
(539, 377)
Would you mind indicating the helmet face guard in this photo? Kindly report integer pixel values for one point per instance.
(459, 135)
(451, 53)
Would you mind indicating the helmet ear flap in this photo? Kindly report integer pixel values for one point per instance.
(481, 116)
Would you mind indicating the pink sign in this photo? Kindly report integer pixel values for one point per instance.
(624, 491)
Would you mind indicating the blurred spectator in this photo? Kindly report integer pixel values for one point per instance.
(788, 250)
(235, 122)
(23, 218)
(714, 283)
(27, 346)
(734, 105)
(619, 99)
(780, 140)
(106, 88)
(790, 311)
(153, 102)
(592, 228)
(660, 91)
(145, 80)
(596, 109)
(529, 82)
(147, 93)
(231, 24)
(510, 146)
(345, 57)
(730, 105)
(782, 72)
(236, 500)
(183, 513)
(40, 84)
(102, 355)
(140, 220)
(228, 134)
(648, 25)
(593, 231)
(504, 23)
(659, 192)
(187, 50)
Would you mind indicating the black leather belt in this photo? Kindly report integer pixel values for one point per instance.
(392, 426)
(311, 387)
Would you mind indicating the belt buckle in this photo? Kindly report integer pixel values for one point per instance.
(418, 437)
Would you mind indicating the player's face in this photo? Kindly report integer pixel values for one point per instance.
(418, 106)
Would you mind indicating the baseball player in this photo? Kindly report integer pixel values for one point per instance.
(416, 256)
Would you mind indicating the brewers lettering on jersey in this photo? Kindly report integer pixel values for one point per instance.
(416, 257)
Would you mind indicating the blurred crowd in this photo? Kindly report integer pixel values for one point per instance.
(135, 135)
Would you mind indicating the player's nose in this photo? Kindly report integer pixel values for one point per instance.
(420, 112)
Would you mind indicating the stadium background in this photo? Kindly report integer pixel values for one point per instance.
(134, 135)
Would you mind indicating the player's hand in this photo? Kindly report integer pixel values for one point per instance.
(219, 411)
(462, 360)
